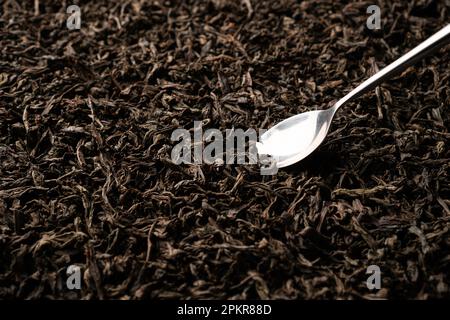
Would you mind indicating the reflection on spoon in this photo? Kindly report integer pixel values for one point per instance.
(294, 138)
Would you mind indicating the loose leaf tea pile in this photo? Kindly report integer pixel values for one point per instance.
(86, 175)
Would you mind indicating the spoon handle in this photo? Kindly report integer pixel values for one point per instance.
(436, 41)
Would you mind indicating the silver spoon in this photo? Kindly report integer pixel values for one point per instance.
(295, 138)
